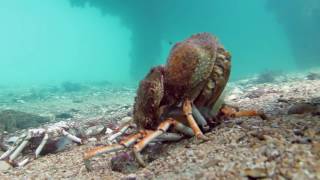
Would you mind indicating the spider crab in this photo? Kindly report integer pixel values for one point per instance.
(31, 139)
(176, 100)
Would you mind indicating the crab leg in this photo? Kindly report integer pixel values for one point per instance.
(119, 133)
(109, 148)
(72, 137)
(12, 148)
(24, 162)
(20, 147)
(199, 118)
(42, 144)
(162, 128)
(169, 137)
(231, 111)
(187, 109)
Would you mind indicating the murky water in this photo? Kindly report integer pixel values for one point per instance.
(118, 41)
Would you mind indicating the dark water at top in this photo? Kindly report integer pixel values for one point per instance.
(119, 40)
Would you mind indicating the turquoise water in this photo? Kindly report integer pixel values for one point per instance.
(119, 40)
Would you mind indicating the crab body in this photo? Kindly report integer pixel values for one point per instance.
(197, 69)
(167, 100)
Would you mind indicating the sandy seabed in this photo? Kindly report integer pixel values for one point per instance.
(286, 146)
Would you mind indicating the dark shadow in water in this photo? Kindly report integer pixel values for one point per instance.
(155, 21)
(301, 20)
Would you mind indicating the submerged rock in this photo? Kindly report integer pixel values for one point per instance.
(302, 108)
(12, 120)
(72, 87)
(313, 76)
(124, 163)
(64, 115)
(95, 130)
(4, 166)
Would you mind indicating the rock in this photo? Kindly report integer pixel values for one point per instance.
(64, 115)
(4, 166)
(109, 131)
(255, 172)
(256, 93)
(12, 120)
(95, 130)
(313, 76)
(131, 177)
(316, 148)
(92, 139)
(124, 162)
(302, 108)
(125, 120)
(266, 77)
(12, 139)
(72, 87)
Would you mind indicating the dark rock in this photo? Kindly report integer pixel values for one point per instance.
(313, 76)
(301, 140)
(124, 162)
(72, 87)
(256, 93)
(77, 101)
(64, 115)
(267, 76)
(12, 120)
(302, 108)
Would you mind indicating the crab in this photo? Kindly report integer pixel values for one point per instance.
(177, 100)
(32, 137)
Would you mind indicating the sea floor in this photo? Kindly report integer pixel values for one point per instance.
(286, 146)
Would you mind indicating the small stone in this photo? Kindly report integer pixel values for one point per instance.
(95, 130)
(232, 97)
(301, 108)
(131, 177)
(316, 148)
(125, 120)
(189, 152)
(274, 125)
(124, 163)
(93, 139)
(4, 166)
(271, 153)
(64, 115)
(12, 139)
(255, 172)
(109, 131)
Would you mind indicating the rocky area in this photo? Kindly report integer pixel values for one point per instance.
(286, 146)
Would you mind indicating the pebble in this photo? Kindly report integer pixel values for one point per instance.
(301, 108)
(255, 172)
(4, 166)
(125, 120)
(12, 139)
(93, 139)
(95, 130)
(131, 177)
(109, 131)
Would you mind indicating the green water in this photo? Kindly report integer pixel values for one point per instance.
(119, 40)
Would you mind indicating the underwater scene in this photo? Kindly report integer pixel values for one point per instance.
(160, 89)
